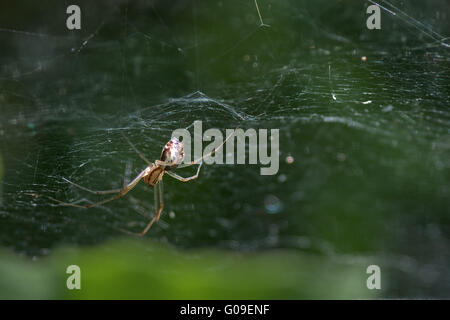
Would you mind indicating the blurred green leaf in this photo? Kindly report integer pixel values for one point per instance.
(138, 270)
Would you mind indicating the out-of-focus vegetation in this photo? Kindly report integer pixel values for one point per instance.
(138, 270)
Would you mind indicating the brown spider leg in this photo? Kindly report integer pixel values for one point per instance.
(92, 191)
(180, 178)
(209, 154)
(161, 163)
(121, 193)
(140, 154)
(159, 206)
(161, 193)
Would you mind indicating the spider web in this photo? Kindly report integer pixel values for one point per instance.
(369, 136)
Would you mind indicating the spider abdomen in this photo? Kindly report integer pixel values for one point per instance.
(172, 154)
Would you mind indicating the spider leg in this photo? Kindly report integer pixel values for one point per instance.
(159, 206)
(180, 178)
(209, 154)
(159, 200)
(91, 191)
(141, 155)
(161, 193)
(120, 193)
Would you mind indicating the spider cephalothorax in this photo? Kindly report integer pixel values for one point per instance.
(172, 154)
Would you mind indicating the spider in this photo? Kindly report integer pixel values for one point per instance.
(172, 156)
